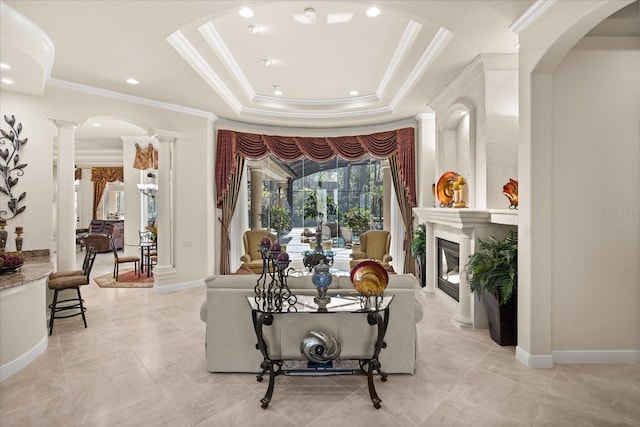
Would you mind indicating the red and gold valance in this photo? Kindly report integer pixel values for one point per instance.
(399, 143)
(107, 174)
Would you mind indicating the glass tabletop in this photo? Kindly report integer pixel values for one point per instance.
(340, 303)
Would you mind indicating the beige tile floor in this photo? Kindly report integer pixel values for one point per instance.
(141, 362)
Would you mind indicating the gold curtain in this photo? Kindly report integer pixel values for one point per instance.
(78, 174)
(100, 177)
(146, 158)
(406, 212)
(228, 207)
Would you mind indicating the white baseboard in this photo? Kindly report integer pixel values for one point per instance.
(534, 361)
(596, 356)
(19, 363)
(577, 356)
(178, 287)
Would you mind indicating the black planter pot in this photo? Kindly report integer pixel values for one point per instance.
(421, 263)
(503, 319)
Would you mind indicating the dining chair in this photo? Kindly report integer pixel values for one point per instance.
(123, 259)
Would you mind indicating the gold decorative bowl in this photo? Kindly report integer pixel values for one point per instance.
(444, 188)
(369, 278)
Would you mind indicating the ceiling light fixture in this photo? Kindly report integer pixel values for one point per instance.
(267, 62)
(254, 29)
(7, 81)
(5, 66)
(373, 11)
(308, 16)
(353, 93)
(245, 12)
(276, 90)
(98, 125)
(517, 45)
(132, 81)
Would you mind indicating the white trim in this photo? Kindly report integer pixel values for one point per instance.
(189, 53)
(441, 39)
(349, 102)
(216, 43)
(21, 362)
(534, 361)
(36, 32)
(596, 356)
(408, 37)
(304, 115)
(106, 93)
(530, 15)
(178, 286)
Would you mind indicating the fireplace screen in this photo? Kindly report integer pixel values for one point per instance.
(449, 268)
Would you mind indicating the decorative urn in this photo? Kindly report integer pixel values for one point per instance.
(321, 279)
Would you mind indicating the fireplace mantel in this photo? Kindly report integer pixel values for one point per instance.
(464, 227)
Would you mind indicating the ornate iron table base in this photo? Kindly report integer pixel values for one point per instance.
(366, 366)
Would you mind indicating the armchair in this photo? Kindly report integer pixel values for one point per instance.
(374, 244)
(251, 240)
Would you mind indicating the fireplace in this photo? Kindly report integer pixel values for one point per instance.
(449, 268)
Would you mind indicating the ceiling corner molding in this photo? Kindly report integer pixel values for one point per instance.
(441, 39)
(212, 37)
(105, 93)
(317, 116)
(189, 53)
(406, 41)
(530, 15)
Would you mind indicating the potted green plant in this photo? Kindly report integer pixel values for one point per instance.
(358, 220)
(493, 270)
(418, 247)
(280, 220)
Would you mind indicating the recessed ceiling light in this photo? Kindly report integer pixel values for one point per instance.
(353, 92)
(245, 12)
(517, 45)
(7, 81)
(267, 62)
(4, 66)
(373, 11)
(98, 125)
(307, 17)
(254, 29)
(462, 113)
(132, 81)
(276, 90)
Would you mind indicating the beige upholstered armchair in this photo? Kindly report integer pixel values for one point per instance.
(251, 240)
(374, 244)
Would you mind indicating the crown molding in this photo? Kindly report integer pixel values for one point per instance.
(189, 53)
(530, 15)
(307, 115)
(406, 41)
(106, 93)
(439, 42)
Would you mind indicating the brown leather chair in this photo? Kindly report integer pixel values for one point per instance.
(374, 244)
(252, 257)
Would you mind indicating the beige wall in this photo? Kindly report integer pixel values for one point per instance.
(596, 196)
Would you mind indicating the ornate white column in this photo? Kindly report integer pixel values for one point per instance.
(463, 316)
(431, 267)
(134, 201)
(65, 192)
(166, 239)
(256, 197)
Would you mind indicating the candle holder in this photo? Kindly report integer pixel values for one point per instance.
(3, 235)
(19, 232)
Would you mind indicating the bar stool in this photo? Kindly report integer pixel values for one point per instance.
(71, 281)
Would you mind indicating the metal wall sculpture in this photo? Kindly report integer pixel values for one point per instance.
(11, 169)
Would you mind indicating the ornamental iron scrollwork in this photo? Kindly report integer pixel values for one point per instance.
(11, 168)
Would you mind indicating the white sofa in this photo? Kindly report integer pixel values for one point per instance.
(231, 340)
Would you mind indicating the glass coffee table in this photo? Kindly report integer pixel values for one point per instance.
(374, 310)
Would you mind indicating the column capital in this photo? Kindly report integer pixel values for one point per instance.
(163, 135)
(64, 120)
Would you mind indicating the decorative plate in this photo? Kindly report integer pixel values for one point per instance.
(444, 189)
(369, 278)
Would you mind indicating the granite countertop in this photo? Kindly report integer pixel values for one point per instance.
(37, 265)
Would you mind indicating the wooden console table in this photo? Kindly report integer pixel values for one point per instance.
(374, 310)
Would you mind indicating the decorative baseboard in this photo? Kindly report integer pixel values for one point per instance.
(577, 356)
(16, 365)
(534, 361)
(596, 356)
